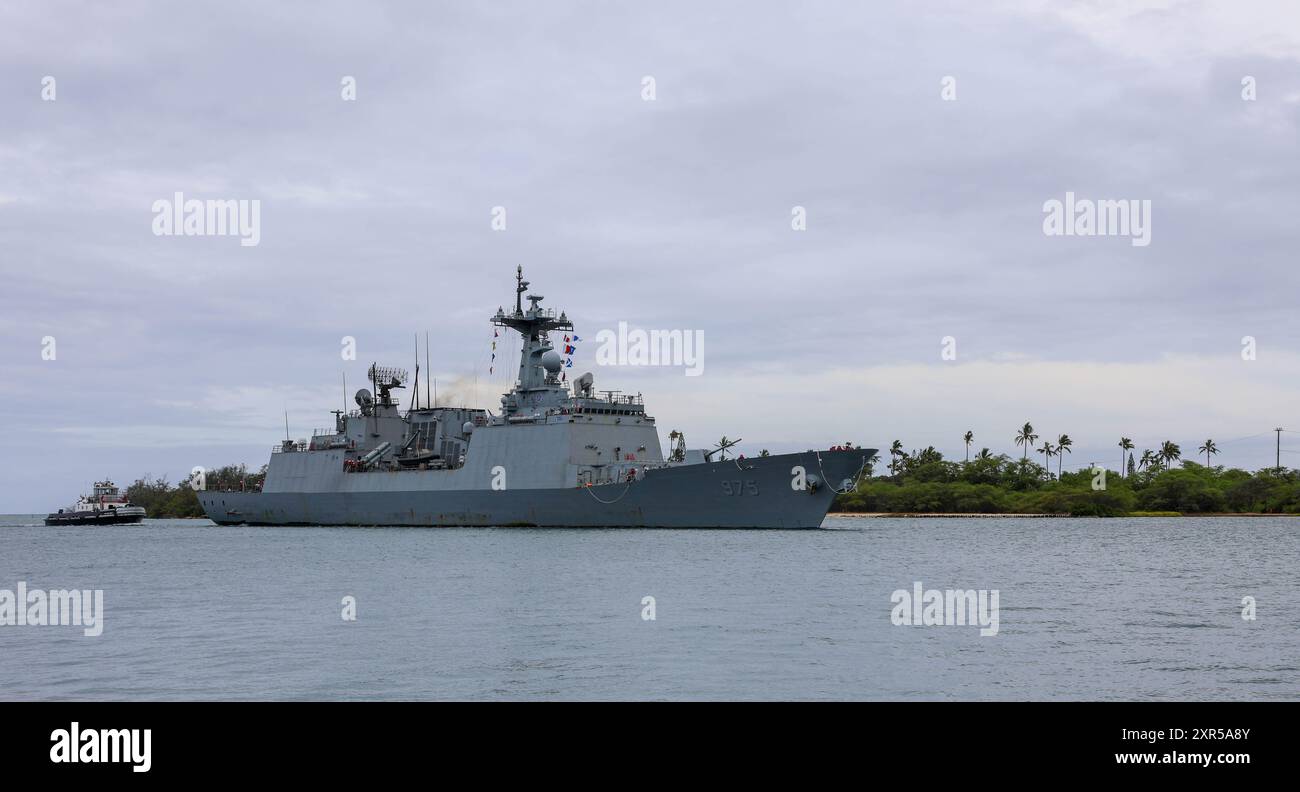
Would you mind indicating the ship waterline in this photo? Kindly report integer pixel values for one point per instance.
(559, 454)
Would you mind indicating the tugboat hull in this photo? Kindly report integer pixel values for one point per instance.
(107, 517)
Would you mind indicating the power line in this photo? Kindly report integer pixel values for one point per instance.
(1247, 437)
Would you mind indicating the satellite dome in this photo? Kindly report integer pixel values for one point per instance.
(364, 399)
(552, 362)
(467, 427)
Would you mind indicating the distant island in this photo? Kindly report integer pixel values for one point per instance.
(923, 482)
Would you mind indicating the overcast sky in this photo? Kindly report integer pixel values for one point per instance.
(924, 219)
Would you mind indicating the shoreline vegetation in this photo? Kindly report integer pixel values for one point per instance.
(924, 484)
(162, 500)
(1014, 515)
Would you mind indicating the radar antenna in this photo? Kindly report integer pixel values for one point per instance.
(385, 378)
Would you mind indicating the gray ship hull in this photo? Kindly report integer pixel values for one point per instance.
(746, 493)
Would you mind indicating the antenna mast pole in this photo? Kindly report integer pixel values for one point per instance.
(415, 392)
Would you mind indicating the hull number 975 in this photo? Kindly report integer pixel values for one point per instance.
(739, 487)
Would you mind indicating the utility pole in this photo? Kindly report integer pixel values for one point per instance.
(1279, 447)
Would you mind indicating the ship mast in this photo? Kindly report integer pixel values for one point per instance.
(532, 325)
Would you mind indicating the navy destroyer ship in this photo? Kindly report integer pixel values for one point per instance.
(104, 506)
(559, 454)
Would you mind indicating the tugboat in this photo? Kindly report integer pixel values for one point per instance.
(106, 506)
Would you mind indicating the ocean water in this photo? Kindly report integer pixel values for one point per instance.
(1089, 609)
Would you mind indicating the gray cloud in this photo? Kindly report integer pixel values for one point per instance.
(924, 216)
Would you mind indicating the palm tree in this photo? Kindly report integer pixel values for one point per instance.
(1047, 451)
(984, 454)
(1169, 451)
(895, 451)
(1207, 449)
(968, 437)
(1063, 444)
(1125, 445)
(1147, 459)
(1026, 437)
(723, 445)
